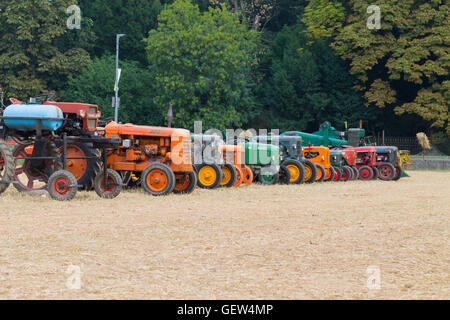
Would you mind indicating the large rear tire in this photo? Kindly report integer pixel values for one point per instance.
(347, 173)
(355, 173)
(398, 172)
(158, 179)
(386, 171)
(310, 171)
(6, 166)
(185, 182)
(209, 176)
(296, 169)
(285, 175)
(329, 174)
(337, 175)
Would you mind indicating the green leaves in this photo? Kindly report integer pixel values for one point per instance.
(202, 64)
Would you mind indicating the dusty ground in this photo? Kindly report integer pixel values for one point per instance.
(281, 242)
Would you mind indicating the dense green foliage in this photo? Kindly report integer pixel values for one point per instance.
(202, 64)
(288, 64)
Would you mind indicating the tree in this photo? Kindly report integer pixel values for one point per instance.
(404, 65)
(132, 17)
(95, 84)
(307, 84)
(30, 62)
(202, 64)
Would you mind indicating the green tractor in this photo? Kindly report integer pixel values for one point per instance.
(342, 172)
(301, 169)
(265, 163)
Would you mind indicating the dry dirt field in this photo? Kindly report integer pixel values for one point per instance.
(275, 242)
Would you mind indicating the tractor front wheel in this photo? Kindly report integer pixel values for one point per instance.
(285, 175)
(376, 173)
(209, 176)
(365, 173)
(185, 182)
(296, 169)
(268, 176)
(62, 185)
(158, 179)
(386, 171)
(6, 167)
(329, 174)
(310, 171)
(355, 173)
(320, 173)
(229, 175)
(248, 175)
(347, 173)
(239, 177)
(337, 174)
(113, 185)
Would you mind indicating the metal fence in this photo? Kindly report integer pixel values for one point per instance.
(407, 143)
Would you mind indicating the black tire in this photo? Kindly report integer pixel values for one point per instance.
(192, 182)
(376, 174)
(268, 177)
(169, 177)
(299, 168)
(212, 184)
(365, 173)
(347, 173)
(115, 181)
(322, 171)
(233, 177)
(309, 165)
(355, 173)
(93, 163)
(62, 185)
(284, 175)
(7, 168)
(386, 171)
(331, 176)
(398, 172)
(339, 175)
(50, 150)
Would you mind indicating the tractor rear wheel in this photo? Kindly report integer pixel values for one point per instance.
(239, 177)
(6, 166)
(365, 173)
(398, 172)
(28, 178)
(310, 171)
(268, 176)
(320, 173)
(229, 176)
(248, 175)
(158, 179)
(355, 173)
(62, 185)
(209, 176)
(285, 175)
(113, 185)
(347, 173)
(386, 171)
(329, 174)
(84, 170)
(296, 169)
(185, 182)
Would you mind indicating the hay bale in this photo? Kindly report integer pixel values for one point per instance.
(423, 141)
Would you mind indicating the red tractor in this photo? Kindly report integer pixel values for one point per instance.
(365, 162)
(349, 157)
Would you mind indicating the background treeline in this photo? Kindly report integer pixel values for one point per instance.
(287, 64)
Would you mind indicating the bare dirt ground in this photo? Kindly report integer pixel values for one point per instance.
(272, 242)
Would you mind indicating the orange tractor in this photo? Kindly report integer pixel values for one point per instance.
(320, 156)
(160, 157)
(235, 172)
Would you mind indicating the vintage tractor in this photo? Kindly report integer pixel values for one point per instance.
(235, 171)
(320, 156)
(291, 154)
(160, 157)
(36, 161)
(349, 157)
(342, 172)
(208, 160)
(388, 163)
(365, 162)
